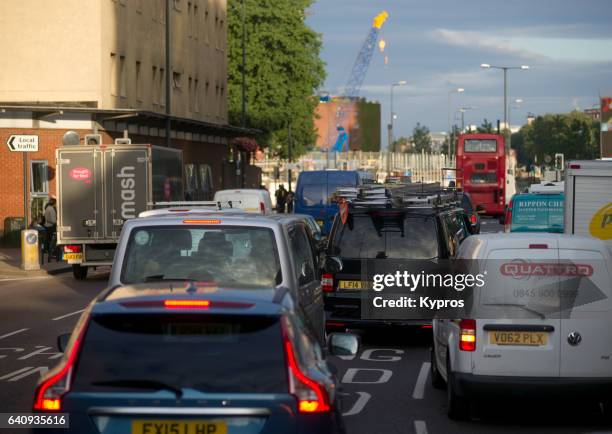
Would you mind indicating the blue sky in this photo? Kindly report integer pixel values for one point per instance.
(438, 45)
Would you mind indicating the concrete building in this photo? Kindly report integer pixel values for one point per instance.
(100, 66)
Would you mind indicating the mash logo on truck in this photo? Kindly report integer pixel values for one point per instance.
(128, 192)
(601, 223)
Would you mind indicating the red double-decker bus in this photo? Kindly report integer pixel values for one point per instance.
(483, 171)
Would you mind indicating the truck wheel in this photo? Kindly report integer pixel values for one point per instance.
(79, 272)
(436, 378)
(458, 406)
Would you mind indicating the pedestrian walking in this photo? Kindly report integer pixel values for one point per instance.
(281, 199)
(290, 197)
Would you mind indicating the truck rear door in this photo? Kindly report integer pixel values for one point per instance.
(128, 186)
(591, 207)
(80, 191)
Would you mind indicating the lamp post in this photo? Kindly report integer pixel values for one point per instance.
(505, 69)
(462, 110)
(390, 139)
(450, 131)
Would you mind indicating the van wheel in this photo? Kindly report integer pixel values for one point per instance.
(458, 406)
(79, 272)
(436, 378)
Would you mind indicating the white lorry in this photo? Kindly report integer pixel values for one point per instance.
(588, 199)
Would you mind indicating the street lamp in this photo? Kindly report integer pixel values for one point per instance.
(390, 139)
(462, 110)
(450, 131)
(505, 69)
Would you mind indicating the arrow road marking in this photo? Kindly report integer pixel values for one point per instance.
(419, 387)
(420, 427)
(13, 333)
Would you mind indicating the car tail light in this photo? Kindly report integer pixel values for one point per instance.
(467, 335)
(538, 246)
(327, 282)
(48, 395)
(262, 207)
(73, 248)
(473, 219)
(312, 397)
(187, 304)
(574, 166)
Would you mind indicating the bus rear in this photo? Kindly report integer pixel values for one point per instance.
(481, 170)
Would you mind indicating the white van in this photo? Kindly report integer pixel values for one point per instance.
(247, 199)
(541, 324)
(588, 199)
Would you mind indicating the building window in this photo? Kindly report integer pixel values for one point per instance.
(162, 94)
(176, 80)
(138, 82)
(196, 96)
(196, 22)
(190, 93)
(154, 85)
(39, 177)
(122, 77)
(206, 28)
(114, 80)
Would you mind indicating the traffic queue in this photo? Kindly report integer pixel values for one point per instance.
(220, 317)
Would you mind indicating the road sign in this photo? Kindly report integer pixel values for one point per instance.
(22, 143)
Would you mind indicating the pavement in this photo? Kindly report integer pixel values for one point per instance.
(10, 266)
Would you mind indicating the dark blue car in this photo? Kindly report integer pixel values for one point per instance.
(314, 193)
(189, 358)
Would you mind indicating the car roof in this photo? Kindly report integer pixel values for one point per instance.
(226, 218)
(139, 298)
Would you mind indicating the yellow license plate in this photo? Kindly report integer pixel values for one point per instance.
(320, 222)
(352, 284)
(178, 427)
(533, 339)
(73, 256)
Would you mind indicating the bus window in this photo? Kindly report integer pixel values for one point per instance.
(483, 178)
(480, 145)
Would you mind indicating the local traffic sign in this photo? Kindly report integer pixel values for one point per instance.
(22, 143)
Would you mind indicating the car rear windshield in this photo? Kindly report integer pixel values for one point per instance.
(231, 256)
(484, 145)
(386, 236)
(209, 353)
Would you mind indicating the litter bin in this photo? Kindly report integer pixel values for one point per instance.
(12, 231)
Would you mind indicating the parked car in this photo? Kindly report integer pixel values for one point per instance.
(524, 333)
(535, 212)
(248, 199)
(377, 237)
(314, 194)
(237, 250)
(191, 357)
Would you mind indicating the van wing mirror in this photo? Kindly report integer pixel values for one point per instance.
(342, 344)
(332, 264)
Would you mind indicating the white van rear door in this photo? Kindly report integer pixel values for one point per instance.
(512, 337)
(586, 345)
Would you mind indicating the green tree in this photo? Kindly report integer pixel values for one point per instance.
(485, 128)
(401, 145)
(421, 137)
(283, 70)
(574, 134)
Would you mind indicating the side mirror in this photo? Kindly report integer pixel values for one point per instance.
(332, 264)
(342, 344)
(62, 342)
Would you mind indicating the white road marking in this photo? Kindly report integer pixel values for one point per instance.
(361, 402)
(13, 333)
(12, 279)
(419, 387)
(368, 355)
(25, 372)
(349, 376)
(68, 314)
(420, 427)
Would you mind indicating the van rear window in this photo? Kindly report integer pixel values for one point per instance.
(209, 353)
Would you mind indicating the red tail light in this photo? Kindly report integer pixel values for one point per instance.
(467, 335)
(262, 207)
(538, 246)
(473, 219)
(48, 396)
(73, 248)
(186, 304)
(311, 396)
(327, 282)
(574, 166)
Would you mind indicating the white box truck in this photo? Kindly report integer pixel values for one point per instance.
(588, 199)
(100, 187)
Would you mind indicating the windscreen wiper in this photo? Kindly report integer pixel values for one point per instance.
(522, 306)
(142, 384)
(162, 278)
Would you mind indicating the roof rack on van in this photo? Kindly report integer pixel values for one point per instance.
(405, 196)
